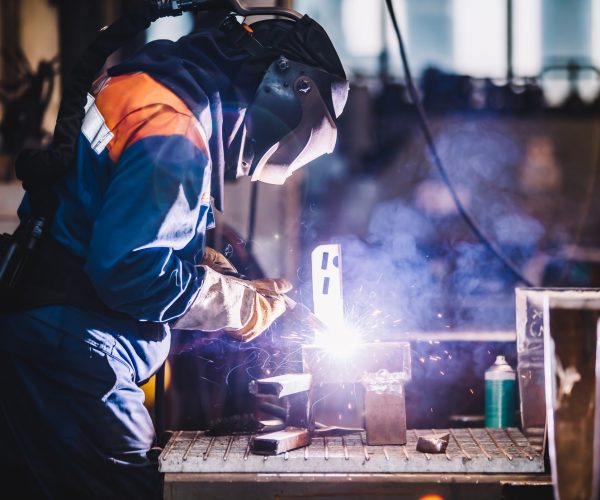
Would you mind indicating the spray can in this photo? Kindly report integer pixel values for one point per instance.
(500, 384)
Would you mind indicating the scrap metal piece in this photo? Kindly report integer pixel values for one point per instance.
(433, 443)
(281, 385)
(275, 443)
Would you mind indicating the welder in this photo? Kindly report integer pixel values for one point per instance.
(125, 259)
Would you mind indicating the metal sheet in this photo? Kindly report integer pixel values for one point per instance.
(570, 345)
(469, 451)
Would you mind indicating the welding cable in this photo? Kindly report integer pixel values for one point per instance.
(423, 123)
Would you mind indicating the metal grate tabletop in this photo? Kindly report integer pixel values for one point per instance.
(477, 450)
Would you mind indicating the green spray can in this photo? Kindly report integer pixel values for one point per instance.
(500, 384)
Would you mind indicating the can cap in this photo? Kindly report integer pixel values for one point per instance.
(500, 369)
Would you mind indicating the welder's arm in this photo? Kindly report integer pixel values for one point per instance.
(151, 222)
(240, 308)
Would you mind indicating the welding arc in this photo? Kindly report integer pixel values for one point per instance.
(436, 157)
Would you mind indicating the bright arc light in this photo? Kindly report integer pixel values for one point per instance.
(340, 342)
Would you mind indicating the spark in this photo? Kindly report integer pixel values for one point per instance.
(439, 315)
(422, 360)
(471, 391)
(341, 342)
(276, 236)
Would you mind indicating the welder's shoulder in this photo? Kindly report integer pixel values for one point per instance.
(135, 107)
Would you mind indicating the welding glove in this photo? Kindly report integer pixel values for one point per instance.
(243, 309)
(218, 262)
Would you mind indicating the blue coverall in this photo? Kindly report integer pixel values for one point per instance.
(136, 208)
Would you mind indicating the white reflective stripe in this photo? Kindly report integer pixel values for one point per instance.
(94, 127)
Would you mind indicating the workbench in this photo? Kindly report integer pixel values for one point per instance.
(478, 463)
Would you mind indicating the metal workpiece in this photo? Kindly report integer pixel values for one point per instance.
(530, 354)
(293, 403)
(327, 367)
(572, 376)
(469, 451)
(275, 443)
(385, 417)
(364, 388)
(281, 385)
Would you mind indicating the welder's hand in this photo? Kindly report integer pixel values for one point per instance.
(217, 261)
(243, 309)
(269, 304)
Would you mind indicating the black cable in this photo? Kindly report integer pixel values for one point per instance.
(252, 217)
(436, 157)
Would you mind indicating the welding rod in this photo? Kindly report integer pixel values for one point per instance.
(304, 314)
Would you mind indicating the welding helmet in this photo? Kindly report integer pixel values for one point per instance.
(292, 118)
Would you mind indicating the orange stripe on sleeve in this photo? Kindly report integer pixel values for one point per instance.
(136, 106)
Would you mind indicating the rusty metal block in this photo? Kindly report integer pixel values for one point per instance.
(385, 418)
(278, 442)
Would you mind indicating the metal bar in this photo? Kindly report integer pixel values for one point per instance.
(208, 448)
(281, 385)
(448, 457)
(171, 444)
(467, 456)
(387, 457)
(248, 446)
(306, 453)
(365, 451)
(228, 449)
(478, 443)
(326, 447)
(189, 448)
(405, 453)
(286, 456)
(521, 449)
(274, 443)
(346, 455)
(504, 452)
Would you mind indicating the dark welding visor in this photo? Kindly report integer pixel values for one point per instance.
(292, 119)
